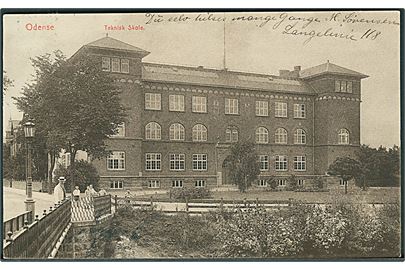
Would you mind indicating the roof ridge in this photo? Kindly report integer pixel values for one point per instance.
(211, 69)
(116, 44)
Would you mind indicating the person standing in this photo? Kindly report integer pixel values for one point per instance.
(87, 192)
(59, 190)
(102, 192)
(92, 191)
(76, 193)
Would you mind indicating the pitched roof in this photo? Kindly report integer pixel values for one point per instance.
(222, 78)
(329, 68)
(112, 43)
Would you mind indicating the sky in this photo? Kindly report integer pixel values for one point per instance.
(367, 42)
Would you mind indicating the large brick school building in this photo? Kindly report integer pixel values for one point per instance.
(182, 120)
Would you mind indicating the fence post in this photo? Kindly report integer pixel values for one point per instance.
(257, 202)
(222, 202)
(115, 202)
(244, 202)
(25, 224)
(151, 202)
(187, 204)
(109, 203)
(9, 236)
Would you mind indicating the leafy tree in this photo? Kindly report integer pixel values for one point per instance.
(14, 167)
(74, 104)
(84, 174)
(272, 182)
(7, 82)
(346, 168)
(318, 183)
(243, 165)
(7, 167)
(380, 166)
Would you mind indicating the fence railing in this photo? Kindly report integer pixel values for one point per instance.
(197, 207)
(38, 239)
(15, 224)
(102, 205)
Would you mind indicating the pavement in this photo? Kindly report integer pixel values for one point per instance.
(13, 202)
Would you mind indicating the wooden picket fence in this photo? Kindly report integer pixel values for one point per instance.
(38, 239)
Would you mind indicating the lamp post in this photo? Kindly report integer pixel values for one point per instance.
(72, 168)
(29, 132)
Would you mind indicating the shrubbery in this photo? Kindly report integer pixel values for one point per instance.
(311, 231)
(339, 230)
(190, 193)
(84, 174)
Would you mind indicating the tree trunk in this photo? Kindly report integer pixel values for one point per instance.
(72, 168)
(52, 157)
(345, 186)
(364, 184)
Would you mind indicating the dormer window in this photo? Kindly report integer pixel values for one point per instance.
(344, 86)
(124, 65)
(115, 65)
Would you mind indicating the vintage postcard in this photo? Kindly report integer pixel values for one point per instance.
(266, 135)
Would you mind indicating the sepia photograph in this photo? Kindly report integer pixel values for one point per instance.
(202, 135)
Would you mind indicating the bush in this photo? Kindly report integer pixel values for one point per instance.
(190, 193)
(85, 174)
(318, 183)
(167, 236)
(340, 230)
(292, 183)
(272, 182)
(257, 233)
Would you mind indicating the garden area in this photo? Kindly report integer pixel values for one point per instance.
(339, 230)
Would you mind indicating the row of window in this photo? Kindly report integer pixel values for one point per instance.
(119, 184)
(153, 131)
(280, 182)
(177, 162)
(199, 105)
(119, 65)
(116, 161)
(342, 86)
(281, 163)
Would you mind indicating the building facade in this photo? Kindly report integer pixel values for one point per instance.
(182, 120)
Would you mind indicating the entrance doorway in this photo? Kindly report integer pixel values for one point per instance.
(226, 180)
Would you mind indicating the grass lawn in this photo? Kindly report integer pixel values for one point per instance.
(371, 195)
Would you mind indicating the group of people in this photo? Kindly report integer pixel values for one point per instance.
(60, 192)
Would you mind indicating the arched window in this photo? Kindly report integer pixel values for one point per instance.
(300, 136)
(231, 134)
(281, 136)
(153, 131)
(343, 136)
(199, 133)
(262, 135)
(176, 132)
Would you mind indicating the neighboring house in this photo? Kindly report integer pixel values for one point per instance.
(182, 120)
(10, 140)
(11, 136)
